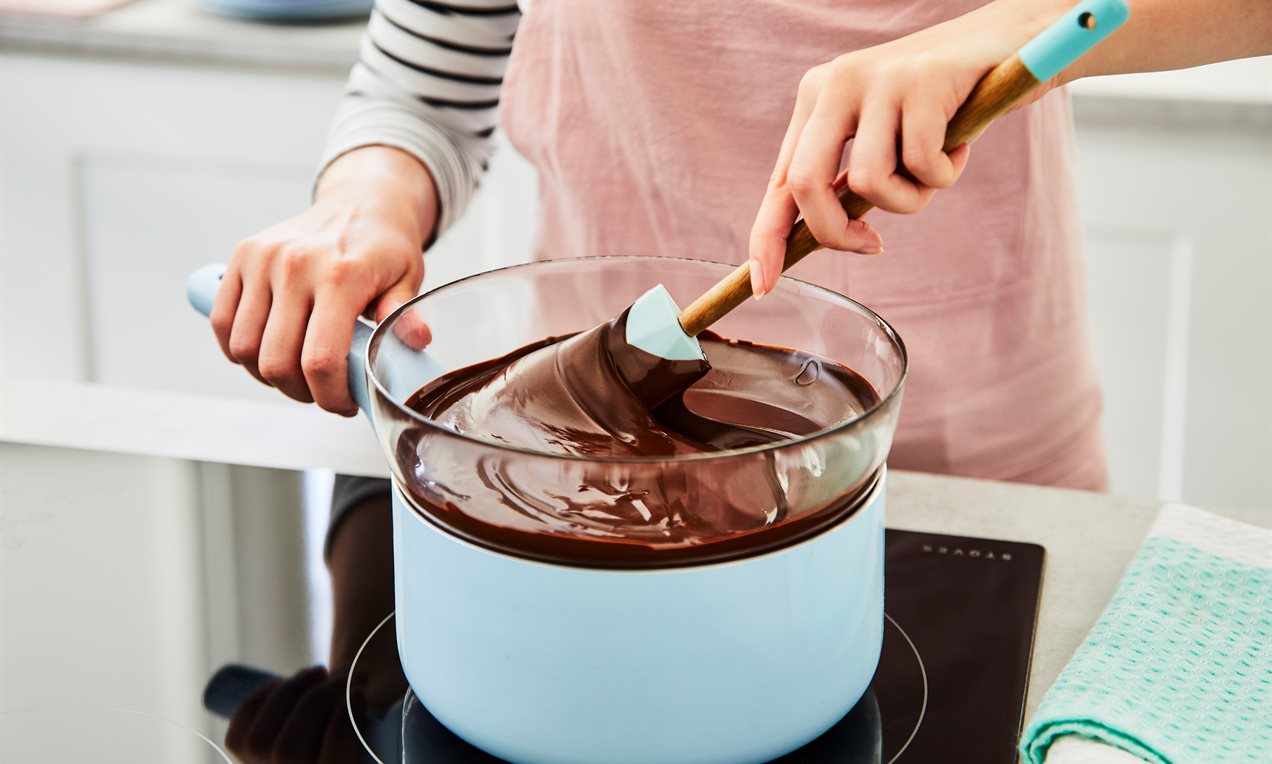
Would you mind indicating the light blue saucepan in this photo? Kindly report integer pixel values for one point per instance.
(723, 660)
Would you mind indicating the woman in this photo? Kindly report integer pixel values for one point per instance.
(655, 127)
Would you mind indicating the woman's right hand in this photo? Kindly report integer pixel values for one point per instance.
(291, 294)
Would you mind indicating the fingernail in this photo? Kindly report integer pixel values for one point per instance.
(758, 279)
(870, 249)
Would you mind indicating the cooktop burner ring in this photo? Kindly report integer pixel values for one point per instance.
(410, 702)
(922, 673)
(353, 669)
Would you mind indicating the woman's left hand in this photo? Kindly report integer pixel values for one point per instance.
(894, 102)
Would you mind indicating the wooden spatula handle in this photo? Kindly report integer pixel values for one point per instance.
(1000, 89)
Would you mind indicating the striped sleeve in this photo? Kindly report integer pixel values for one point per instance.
(427, 82)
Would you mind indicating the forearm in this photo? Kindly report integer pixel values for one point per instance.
(427, 82)
(1177, 34)
(393, 176)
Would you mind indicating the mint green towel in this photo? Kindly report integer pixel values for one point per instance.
(1179, 667)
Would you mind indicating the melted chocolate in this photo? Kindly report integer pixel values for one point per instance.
(593, 395)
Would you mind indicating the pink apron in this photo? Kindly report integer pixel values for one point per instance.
(655, 124)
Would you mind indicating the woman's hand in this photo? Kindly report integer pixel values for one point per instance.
(291, 294)
(894, 102)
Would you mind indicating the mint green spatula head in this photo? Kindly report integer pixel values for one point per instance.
(653, 325)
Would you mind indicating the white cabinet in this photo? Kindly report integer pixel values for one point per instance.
(121, 178)
(1176, 212)
(118, 179)
(101, 586)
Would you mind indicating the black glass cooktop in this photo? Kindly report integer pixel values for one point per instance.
(951, 680)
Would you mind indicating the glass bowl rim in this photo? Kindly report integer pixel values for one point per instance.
(381, 392)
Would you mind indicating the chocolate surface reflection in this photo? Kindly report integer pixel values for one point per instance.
(593, 396)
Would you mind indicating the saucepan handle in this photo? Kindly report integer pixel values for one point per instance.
(231, 685)
(201, 290)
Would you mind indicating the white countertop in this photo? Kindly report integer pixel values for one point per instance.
(179, 30)
(1090, 538)
(124, 420)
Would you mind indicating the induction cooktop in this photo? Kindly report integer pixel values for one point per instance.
(958, 635)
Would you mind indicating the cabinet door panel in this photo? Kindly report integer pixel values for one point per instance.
(1180, 260)
(149, 223)
(1142, 349)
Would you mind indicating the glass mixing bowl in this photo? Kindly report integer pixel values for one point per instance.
(628, 511)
